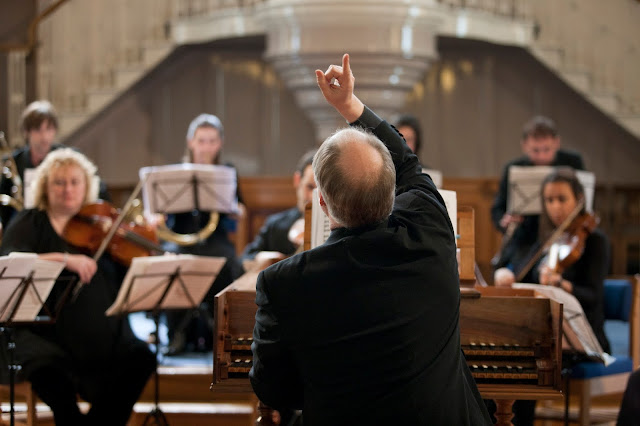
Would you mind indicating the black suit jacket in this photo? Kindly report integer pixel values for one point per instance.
(364, 328)
(526, 234)
(274, 234)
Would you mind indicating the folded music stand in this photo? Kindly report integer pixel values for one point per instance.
(182, 284)
(22, 307)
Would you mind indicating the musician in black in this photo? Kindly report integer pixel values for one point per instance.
(363, 329)
(561, 193)
(204, 142)
(410, 129)
(540, 145)
(85, 352)
(283, 232)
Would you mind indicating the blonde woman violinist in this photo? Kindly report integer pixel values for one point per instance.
(84, 352)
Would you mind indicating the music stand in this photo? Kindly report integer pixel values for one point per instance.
(26, 282)
(177, 282)
(524, 184)
(179, 188)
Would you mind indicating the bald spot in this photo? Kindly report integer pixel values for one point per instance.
(360, 163)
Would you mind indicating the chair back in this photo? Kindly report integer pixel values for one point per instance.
(622, 316)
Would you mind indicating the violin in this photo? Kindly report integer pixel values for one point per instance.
(88, 229)
(574, 232)
(570, 245)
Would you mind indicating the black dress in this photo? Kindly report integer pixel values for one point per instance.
(84, 352)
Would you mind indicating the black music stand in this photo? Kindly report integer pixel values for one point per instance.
(178, 188)
(153, 296)
(11, 315)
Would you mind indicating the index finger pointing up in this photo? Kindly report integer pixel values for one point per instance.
(346, 68)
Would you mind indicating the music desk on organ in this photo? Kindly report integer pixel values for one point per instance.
(511, 338)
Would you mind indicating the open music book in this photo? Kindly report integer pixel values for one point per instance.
(148, 284)
(16, 269)
(577, 332)
(320, 227)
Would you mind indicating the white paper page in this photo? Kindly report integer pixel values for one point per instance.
(451, 202)
(44, 278)
(21, 265)
(144, 293)
(320, 226)
(169, 189)
(588, 181)
(29, 174)
(436, 176)
(573, 315)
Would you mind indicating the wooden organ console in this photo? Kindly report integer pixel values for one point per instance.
(511, 338)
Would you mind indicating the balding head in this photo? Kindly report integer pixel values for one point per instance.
(356, 176)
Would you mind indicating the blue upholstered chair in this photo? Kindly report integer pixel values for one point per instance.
(622, 325)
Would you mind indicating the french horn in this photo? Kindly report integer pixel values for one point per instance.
(136, 215)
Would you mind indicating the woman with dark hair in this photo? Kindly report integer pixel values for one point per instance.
(561, 194)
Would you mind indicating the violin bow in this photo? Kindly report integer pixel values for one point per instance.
(114, 228)
(552, 239)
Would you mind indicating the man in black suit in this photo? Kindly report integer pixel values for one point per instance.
(283, 232)
(363, 329)
(540, 145)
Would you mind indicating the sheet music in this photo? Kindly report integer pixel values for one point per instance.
(170, 189)
(574, 318)
(524, 188)
(320, 226)
(45, 273)
(148, 277)
(436, 176)
(451, 203)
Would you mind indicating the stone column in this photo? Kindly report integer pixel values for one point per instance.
(391, 44)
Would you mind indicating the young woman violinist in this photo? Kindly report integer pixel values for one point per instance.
(561, 194)
(84, 352)
(584, 278)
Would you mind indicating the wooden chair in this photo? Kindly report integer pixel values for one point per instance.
(592, 379)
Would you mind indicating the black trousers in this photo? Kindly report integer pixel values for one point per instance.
(630, 409)
(112, 391)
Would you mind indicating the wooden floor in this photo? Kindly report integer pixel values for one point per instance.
(185, 399)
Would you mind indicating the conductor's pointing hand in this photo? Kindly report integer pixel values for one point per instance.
(336, 85)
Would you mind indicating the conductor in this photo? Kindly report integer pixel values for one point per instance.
(364, 328)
